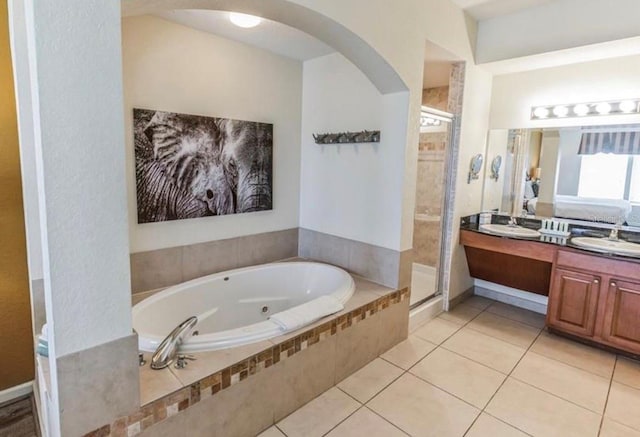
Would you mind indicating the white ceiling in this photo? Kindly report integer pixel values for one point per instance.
(486, 9)
(268, 35)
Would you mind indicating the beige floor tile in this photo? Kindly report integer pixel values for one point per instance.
(272, 432)
(623, 405)
(487, 426)
(505, 329)
(320, 415)
(436, 330)
(578, 386)
(518, 314)
(615, 429)
(409, 352)
(479, 302)
(627, 372)
(365, 422)
(490, 351)
(461, 314)
(371, 379)
(420, 409)
(466, 379)
(541, 414)
(576, 354)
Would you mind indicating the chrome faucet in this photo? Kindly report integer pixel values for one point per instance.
(167, 351)
(613, 236)
(513, 222)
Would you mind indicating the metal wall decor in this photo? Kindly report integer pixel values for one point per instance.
(475, 167)
(495, 167)
(366, 136)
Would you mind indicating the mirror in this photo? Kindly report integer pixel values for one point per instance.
(589, 173)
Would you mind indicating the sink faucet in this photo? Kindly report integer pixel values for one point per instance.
(167, 351)
(513, 222)
(613, 236)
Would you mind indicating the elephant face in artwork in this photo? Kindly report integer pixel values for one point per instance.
(190, 150)
(247, 158)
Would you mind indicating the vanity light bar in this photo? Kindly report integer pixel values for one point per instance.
(617, 107)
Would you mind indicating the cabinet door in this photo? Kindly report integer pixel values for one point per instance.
(573, 302)
(622, 315)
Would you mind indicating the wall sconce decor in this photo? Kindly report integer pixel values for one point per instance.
(615, 107)
(475, 167)
(366, 136)
(495, 168)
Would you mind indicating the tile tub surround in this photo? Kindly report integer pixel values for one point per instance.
(164, 267)
(308, 362)
(385, 266)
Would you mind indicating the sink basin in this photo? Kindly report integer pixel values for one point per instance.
(608, 246)
(510, 231)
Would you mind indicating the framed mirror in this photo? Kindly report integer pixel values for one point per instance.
(589, 173)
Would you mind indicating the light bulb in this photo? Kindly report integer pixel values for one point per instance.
(628, 106)
(560, 111)
(541, 112)
(244, 20)
(603, 108)
(581, 109)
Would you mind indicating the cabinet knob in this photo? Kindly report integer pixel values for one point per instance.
(596, 281)
(613, 284)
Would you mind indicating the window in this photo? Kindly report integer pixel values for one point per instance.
(609, 176)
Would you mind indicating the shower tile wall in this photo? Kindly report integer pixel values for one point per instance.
(426, 236)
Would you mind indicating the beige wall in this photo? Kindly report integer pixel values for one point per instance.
(170, 67)
(16, 342)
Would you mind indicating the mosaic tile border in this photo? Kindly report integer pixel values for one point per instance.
(170, 405)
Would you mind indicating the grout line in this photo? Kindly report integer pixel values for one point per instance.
(346, 418)
(278, 428)
(606, 402)
(383, 418)
(503, 382)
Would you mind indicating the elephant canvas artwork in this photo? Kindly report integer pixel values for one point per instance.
(190, 166)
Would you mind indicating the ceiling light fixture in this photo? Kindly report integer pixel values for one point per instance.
(619, 107)
(244, 20)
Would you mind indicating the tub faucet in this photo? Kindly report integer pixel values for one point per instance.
(613, 236)
(513, 222)
(167, 351)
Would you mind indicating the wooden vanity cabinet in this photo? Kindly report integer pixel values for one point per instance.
(573, 301)
(596, 298)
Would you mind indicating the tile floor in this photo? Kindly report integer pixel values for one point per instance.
(483, 370)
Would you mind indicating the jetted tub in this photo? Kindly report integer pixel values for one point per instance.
(233, 307)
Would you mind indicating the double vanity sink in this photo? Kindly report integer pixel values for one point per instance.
(597, 244)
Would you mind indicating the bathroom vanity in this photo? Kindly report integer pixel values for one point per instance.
(593, 296)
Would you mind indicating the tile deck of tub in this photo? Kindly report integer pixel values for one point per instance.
(483, 370)
(155, 384)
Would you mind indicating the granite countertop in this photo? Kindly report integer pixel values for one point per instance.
(471, 223)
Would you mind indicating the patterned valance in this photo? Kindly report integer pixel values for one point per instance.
(619, 141)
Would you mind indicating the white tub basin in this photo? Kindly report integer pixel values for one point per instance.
(233, 307)
(609, 246)
(510, 231)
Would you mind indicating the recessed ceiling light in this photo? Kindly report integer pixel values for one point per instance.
(603, 108)
(581, 109)
(541, 112)
(244, 20)
(628, 106)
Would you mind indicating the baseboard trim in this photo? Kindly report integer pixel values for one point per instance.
(425, 312)
(523, 299)
(16, 392)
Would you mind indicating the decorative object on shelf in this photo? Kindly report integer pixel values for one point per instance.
(495, 168)
(366, 136)
(591, 109)
(475, 167)
(190, 166)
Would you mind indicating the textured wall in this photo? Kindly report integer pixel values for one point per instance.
(15, 324)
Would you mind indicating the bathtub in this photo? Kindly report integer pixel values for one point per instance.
(233, 306)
